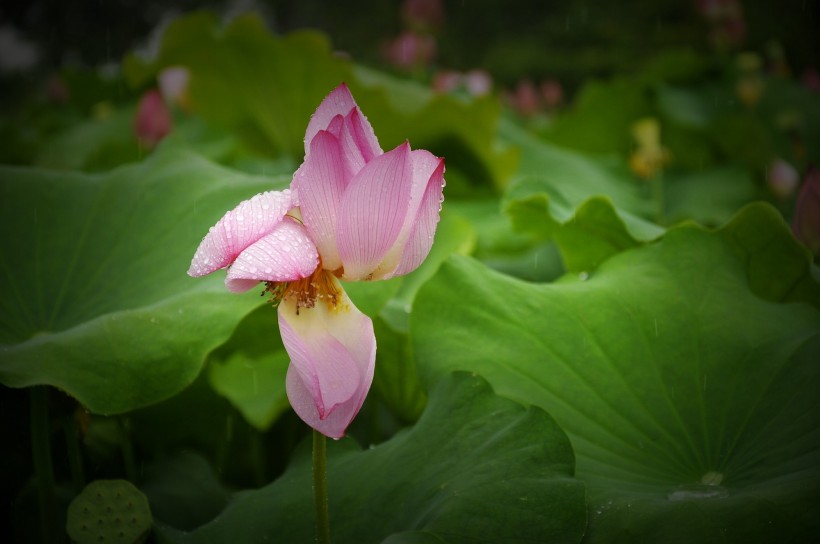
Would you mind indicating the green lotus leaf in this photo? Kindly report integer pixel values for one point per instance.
(689, 398)
(475, 467)
(95, 297)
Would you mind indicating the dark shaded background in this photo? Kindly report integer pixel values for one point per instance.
(566, 39)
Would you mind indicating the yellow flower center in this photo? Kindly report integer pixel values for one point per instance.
(322, 286)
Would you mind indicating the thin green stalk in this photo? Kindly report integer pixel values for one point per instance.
(75, 456)
(320, 487)
(41, 454)
(127, 450)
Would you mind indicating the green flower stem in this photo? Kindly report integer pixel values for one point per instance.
(75, 456)
(41, 454)
(320, 487)
(127, 450)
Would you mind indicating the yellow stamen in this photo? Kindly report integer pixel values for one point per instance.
(321, 285)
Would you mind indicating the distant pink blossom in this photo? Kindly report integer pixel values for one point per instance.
(811, 79)
(552, 93)
(806, 220)
(782, 179)
(728, 26)
(529, 98)
(352, 212)
(173, 84)
(411, 51)
(152, 121)
(475, 82)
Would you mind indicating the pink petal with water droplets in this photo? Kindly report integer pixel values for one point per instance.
(333, 355)
(338, 102)
(425, 166)
(372, 212)
(238, 229)
(285, 254)
(420, 239)
(363, 135)
(321, 183)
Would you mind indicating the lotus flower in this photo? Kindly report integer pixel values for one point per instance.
(352, 212)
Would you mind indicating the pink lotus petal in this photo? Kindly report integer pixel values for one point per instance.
(363, 135)
(321, 182)
(333, 355)
(238, 229)
(420, 238)
(425, 166)
(336, 124)
(285, 254)
(341, 103)
(354, 160)
(373, 211)
(338, 102)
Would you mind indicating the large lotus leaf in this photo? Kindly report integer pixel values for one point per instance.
(475, 468)
(95, 298)
(265, 85)
(501, 247)
(97, 143)
(553, 199)
(570, 177)
(709, 197)
(690, 401)
(601, 116)
(249, 370)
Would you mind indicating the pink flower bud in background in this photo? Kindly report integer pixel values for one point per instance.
(478, 82)
(552, 92)
(782, 179)
(811, 79)
(525, 99)
(411, 51)
(806, 220)
(475, 82)
(173, 84)
(153, 120)
(57, 90)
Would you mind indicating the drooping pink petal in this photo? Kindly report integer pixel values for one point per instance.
(333, 354)
(321, 183)
(372, 212)
(285, 254)
(421, 237)
(239, 228)
(341, 102)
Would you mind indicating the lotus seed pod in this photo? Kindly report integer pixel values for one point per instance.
(109, 511)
